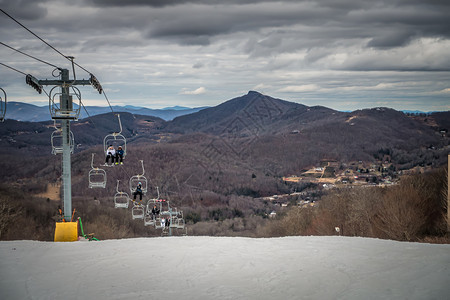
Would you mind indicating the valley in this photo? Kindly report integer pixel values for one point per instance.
(223, 165)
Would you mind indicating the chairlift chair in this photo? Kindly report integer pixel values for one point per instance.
(134, 181)
(165, 207)
(178, 220)
(173, 218)
(2, 104)
(149, 219)
(137, 212)
(152, 202)
(149, 206)
(121, 199)
(116, 139)
(162, 215)
(158, 223)
(97, 176)
(58, 112)
(57, 141)
(173, 222)
(180, 223)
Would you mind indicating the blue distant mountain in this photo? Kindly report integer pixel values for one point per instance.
(176, 107)
(416, 112)
(28, 112)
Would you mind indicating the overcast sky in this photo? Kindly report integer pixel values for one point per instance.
(343, 54)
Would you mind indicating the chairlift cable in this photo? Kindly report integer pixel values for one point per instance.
(18, 71)
(31, 56)
(14, 69)
(45, 92)
(59, 52)
(85, 109)
(106, 97)
(42, 40)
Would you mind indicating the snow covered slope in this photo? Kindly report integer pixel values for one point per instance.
(225, 268)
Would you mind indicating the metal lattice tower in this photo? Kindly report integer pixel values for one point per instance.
(65, 115)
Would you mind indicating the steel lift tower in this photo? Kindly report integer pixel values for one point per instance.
(64, 112)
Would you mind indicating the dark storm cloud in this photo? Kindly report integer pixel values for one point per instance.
(163, 3)
(394, 24)
(195, 22)
(24, 9)
(392, 39)
(205, 22)
(289, 45)
(397, 25)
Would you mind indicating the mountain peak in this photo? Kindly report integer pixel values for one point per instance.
(253, 93)
(252, 108)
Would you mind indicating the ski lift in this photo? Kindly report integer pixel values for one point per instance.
(180, 221)
(165, 207)
(173, 221)
(164, 213)
(2, 105)
(173, 218)
(97, 176)
(158, 223)
(57, 140)
(166, 216)
(116, 139)
(134, 181)
(149, 218)
(137, 212)
(121, 199)
(58, 112)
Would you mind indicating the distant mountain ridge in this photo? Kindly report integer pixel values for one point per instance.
(26, 112)
(260, 126)
(251, 111)
(31, 113)
(255, 114)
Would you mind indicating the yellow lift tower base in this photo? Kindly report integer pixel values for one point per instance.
(66, 232)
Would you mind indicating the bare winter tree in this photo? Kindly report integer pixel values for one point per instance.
(8, 213)
(401, 213)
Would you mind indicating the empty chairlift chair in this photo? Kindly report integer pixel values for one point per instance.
(137, 211)
(180, 221)
(158, 222)
(116, 139)
(2, 104)
(97, 176)
(174, 218)
(121, 199)
(67, 113)
(57, 141)
(177, 220)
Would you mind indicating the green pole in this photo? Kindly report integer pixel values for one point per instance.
(81, 227)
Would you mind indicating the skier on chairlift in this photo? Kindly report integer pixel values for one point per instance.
(138, 191)
(155, 212)
(110, 153)
(119, 154)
